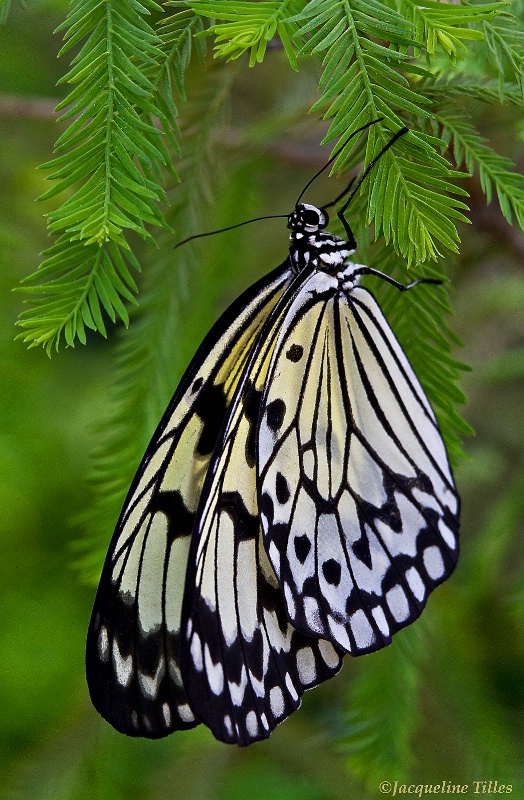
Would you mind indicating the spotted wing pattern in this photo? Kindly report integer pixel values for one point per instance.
(132, 657)
(358, 505)
(243, 664)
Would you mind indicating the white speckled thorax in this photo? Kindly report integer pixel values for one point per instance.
(310, 244)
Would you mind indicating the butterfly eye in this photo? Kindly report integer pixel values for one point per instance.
(311, 217)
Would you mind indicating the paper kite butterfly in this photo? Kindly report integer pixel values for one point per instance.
(295, 504)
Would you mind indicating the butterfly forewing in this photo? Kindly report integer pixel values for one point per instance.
(242, 662)
(132, 656)
(358, 504)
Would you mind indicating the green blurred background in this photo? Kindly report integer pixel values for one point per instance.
(446, 701)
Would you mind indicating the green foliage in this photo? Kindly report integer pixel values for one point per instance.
(505, 45)
(113, 156)
(363, 80)
(411, 201)
(249, 26)
(439, 25)
(113, 152)
(428, 65)
(5, 7)
(445, 701)
(177, 35)
(494, 170)
(381, 724)
(451, 87)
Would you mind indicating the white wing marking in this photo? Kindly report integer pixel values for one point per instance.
(150, 594)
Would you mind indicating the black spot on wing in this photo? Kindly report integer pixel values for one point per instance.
(211, 407)
(279, 532)
(356, 601)
(246, 525)
(197, 384)
(389, 513)
(302, 547)
(391, 516)
(295, 353)
(275, 414)
(251, 411)
(361, 550)
(272, 599)
(282, 489)
(332, 571)
(266, 507)
(180, 519)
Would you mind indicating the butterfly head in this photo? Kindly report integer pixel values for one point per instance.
(307, 219)
(310, 244)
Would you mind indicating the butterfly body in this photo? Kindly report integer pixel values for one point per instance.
(295, 504)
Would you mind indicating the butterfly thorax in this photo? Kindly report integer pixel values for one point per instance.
(311, 245)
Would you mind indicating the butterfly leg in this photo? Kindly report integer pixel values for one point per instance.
(400, 286)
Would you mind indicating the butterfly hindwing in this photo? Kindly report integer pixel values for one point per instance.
(243, 663)
(132, 657)
(359, 509)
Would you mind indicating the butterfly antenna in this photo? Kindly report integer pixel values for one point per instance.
(341, 212)
(229, 228)
(335, 156)
(308, 184)
(370, 166)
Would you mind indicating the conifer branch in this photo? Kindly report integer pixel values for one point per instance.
(111, 156)
(150, 358)
(496, 171)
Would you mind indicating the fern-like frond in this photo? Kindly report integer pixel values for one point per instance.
(361, 81)
(496, 171)
(505, 45)
(179, 34)
(249, 26)
(177, 39)
(411, 202)
(446, 25)
(367, 73)
(447, 88)
(112, 158)
(111, 91)
(149, 358)
(73, 286)
(106, 158)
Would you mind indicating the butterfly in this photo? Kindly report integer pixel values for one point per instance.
(295, 504)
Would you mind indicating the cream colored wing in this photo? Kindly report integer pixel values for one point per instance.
(132, 657)
(359, 509)
(243, 664)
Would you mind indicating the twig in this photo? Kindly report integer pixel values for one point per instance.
(29, 107)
